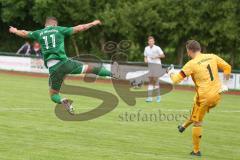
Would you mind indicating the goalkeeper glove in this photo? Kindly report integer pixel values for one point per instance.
(171, 70)
(224, 87)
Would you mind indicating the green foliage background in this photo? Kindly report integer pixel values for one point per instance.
(215, 24)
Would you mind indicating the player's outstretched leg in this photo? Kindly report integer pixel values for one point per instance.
(77, 67)
(188, 122)
(102, 71)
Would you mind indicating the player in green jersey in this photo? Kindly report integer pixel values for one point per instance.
(51, 39)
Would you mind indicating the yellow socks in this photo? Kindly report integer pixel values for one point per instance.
(196, 136)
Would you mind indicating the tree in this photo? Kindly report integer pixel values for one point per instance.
(213, 23)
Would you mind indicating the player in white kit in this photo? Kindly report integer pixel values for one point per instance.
(152, 56)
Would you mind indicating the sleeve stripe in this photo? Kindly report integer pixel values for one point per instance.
(183, 74)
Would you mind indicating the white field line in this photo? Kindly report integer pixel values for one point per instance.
(142, 111)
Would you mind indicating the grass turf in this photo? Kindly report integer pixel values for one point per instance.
(29, 129)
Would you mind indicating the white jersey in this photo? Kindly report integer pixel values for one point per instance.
(152, 52)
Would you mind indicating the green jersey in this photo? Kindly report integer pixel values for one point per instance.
(51, 40)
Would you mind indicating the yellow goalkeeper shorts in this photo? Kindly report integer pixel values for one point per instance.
(202, 106)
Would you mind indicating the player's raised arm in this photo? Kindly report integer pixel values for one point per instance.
(83, 27)
(20, 33)
(178, 77)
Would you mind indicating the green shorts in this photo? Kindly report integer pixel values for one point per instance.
(58, 72)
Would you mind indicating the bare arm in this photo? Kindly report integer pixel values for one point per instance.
(145, 59)
(20, 33)
(160, 56)
(83, 27)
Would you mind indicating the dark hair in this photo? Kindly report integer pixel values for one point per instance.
(193, 45)
(151, 37)
(51, 18)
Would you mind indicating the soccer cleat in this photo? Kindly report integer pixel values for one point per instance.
(158, 100)
(149, 99)
(196, 154)
(181, 129)
(68, 105)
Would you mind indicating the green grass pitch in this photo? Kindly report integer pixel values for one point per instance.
(29, 129)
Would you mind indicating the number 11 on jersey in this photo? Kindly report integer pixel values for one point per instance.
(53, 41)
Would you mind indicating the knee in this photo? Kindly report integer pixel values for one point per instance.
(87, 69)
(52, 92)
(197, 124)
(151, 81)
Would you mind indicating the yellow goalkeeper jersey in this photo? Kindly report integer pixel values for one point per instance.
(204, 72)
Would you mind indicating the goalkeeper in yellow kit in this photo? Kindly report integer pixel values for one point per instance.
(203, 68)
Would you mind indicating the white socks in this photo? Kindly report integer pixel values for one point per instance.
(150, 90)
(157, 87)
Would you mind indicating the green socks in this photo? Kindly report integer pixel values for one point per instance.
(101, 71)
(56, 98)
